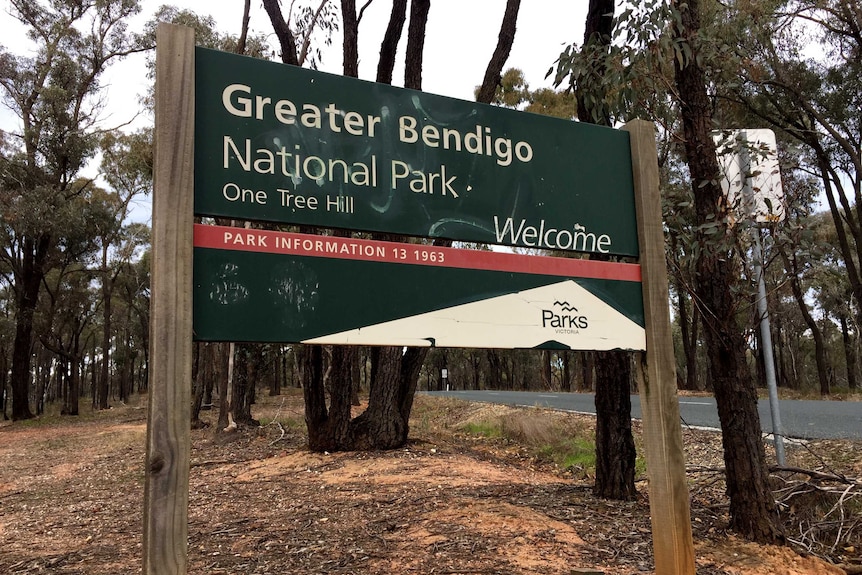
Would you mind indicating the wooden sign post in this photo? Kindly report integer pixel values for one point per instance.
(673, 547)
(166, 495)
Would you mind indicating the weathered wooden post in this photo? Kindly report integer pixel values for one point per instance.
(668, 490)
(168, 435)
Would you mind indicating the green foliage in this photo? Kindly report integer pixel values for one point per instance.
(545, 436)
(575, 453)
(492, 429)
(515, 92)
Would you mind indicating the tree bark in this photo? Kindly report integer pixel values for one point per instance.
(246, 369)
(792, 267)
(341, 390)
(389, 46)
(35, 254)
(615, 451)
(615, 445)
(382, 424)
(350, 45)
(752, 508)
(286, 40)
(310, 363)
(415, 43)
(501, 53)
(849, 353)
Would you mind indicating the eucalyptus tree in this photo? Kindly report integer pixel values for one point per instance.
(615, 444)
(127, 168)
(801, 62)
(829, 283)
(752, 507)
(72, 309)
(614, 374)
(654, 38)
(56, 96)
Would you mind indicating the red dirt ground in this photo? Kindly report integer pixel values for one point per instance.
(71, 498)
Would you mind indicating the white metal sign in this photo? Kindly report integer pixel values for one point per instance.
(751, 178)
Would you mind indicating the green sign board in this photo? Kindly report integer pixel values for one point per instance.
(285, 144)
(256, 285)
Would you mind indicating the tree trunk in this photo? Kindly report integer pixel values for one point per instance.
(277, 380)
(547, 373)
(849, 353)
(566, 383)
(615, 460)
(35, 253)
(226, 375)
(243, 34)
(495, 369)
(71, 403)
(588, 369)
(4, 379)
(246, 368)
(688, 332)
(201, 368)
(310, 363)
(105, 377)
(792, 267)
(615, 453)
(341, 387)
(42, 375)
(501, 53)
(280, 26)
(389, 46)
(752, 508)
(382, 424)
(415, 43)
(350, 42)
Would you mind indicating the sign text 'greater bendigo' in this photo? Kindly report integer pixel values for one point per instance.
(284, 144)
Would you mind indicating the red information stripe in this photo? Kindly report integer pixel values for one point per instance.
(241, 239)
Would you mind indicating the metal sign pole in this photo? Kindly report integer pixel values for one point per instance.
(768, 358)
(763, 311)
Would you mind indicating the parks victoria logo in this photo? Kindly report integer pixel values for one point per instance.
(564, 318)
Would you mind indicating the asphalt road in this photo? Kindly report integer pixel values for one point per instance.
(800, 419)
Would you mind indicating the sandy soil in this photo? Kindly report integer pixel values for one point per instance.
(71, 497)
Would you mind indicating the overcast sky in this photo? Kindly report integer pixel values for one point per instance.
(460, 39)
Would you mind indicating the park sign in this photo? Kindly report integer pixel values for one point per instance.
(181, 275)
(285, 144)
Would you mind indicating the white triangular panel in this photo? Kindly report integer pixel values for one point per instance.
(563, 312)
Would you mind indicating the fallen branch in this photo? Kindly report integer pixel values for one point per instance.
(816, 475)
